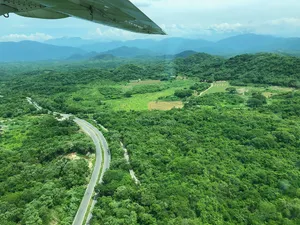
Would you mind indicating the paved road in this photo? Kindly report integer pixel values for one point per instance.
(107, 159)
(97, 175)
(102, 163)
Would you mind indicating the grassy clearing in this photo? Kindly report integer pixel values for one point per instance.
(165, 105)
(92, 98)
(266, 91)
(139, 102)
(219, 86)
(143, 82)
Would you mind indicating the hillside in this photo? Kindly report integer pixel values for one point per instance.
(69, 41)
(103, 57)
(263, 68)
(129, 52)
(34, 51)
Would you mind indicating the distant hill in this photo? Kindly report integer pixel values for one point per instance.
(166, 48)
(169, 46)
(103, 46)
(69, 41)
(260, 68)
(264, 68)
(129, 52)
(104, 57)
(78, 57)
(246, 43)
(252, 43)
(34, 51)
(185, 54)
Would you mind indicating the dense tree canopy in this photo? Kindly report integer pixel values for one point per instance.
(227, 157)
(204, 166)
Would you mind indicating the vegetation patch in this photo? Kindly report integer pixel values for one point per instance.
(228, 157)
(137, 102)
(40, 182)
(165, 105)
(219, 86)
(143, 82)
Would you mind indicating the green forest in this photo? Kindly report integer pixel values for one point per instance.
(228, 155)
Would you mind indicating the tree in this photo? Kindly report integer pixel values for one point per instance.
(128, 94)
(257, 100)
(183, 93)
(231, 90)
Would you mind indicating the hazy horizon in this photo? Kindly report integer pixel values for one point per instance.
(209, 19)
(140, 38)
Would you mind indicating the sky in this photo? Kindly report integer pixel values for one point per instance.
(205, 19)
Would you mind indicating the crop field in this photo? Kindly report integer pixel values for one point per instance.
(165, 105)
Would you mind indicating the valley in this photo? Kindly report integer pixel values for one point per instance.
(211, 140)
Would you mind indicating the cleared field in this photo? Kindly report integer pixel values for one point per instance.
(165, 105)
(138, 102)
(144, 82)
(219, 86)
(267, 94)
(266, 91)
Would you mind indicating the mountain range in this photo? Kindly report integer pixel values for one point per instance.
(79, 49)
(35, 51)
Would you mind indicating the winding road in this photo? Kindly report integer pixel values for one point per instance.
(102, 163)
(102, 157)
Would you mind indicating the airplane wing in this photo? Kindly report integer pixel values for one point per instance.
(6, 9)
(121, 14)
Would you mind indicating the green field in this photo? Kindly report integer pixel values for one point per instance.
(268, 91)
(218, 87)
(91, 96)
(139, 101)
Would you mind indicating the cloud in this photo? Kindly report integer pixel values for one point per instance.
(189, 18)
(226, 27)
(30, 37)
(107, 34)
(285, 21)
(144, 3)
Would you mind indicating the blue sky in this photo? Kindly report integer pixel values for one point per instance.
(207, 19)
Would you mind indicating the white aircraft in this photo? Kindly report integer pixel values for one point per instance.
(121, 14)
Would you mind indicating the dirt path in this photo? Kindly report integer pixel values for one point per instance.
(203, 92)
(126, 156)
